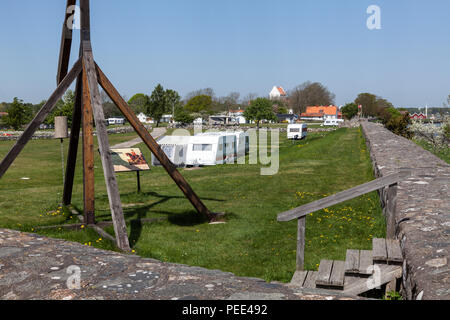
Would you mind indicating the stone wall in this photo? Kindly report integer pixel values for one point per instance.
(43, 135)
(422, 211)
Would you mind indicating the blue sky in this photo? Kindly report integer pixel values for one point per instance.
(245, 46)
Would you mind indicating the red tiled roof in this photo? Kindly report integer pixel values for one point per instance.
(281, 90)
(328, 110)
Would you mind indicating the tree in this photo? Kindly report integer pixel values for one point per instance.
(183, 116)
(350, 110)
(19, 114)
(64, 108)
(173, 101)
(207, 92)
(260, 109)
(310, 94)
(139, 103)
(157, 105)
(200, 104)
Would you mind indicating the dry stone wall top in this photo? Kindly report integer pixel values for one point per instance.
(422, 211)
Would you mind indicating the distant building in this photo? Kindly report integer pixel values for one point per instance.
(238, 115)
(321, 113)
(419, 116)
(143, 118)
(3, 114)
(290, 118)
(277, 93)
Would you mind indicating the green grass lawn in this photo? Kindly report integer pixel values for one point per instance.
(251, 243)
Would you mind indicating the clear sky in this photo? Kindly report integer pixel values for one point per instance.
(238, 45)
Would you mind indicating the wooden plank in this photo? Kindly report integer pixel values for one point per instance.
(112, 188)
(379, 250)
(394, 252)
(73, 144)
(337, 274)
(310, 281)
(323, 276)
(298, 279)
(153, 145)
(387, 274)
(66, 44)
(365, 262)
(341, 197)
(391, 211)
(39, 118)
(352, 262)
(301, 233)
(88, 154)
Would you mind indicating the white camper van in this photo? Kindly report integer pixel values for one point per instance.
(297, 131)
(209, 149)
(175, 148)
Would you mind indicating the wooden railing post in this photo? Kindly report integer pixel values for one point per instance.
(301, 234)
(391, 197)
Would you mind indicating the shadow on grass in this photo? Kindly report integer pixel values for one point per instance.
(134, 216)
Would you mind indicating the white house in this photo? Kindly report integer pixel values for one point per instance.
(277, 93)
(143, 118)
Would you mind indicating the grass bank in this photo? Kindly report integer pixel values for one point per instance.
(251, 243)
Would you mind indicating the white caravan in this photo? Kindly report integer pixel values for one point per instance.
(297, 131)
(209, 149)
(175, 148)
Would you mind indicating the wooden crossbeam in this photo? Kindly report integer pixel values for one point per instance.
(152, 145)
(342, 196)
(40, 117)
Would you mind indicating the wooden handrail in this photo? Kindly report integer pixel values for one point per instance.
(300, 213)
(343, 196)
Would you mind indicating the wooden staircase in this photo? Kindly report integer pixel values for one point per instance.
(361, 271)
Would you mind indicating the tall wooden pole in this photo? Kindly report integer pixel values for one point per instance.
(88, 153)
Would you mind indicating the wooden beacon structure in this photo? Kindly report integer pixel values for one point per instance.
(87, 111)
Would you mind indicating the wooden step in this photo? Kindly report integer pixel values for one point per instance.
(304, 279)
(358, 262)
(387, 251)
(383, 274)
(331, 274)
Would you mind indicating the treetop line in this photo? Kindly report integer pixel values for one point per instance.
(87, 110)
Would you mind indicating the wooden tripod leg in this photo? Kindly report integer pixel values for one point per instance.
(40, 117)
(88, 155)
(112, 187)
(66, 44)
(74, 141)
(152, 145)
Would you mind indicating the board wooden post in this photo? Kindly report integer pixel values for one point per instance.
(88, 153)
(390, 211)
(112, 187)
(73, 144)
(301, 238)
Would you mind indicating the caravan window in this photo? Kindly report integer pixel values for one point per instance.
(295, 130)
(202, 147)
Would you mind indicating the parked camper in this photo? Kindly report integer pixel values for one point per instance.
(332, 122)
(209, 149)
(115, 121)
(297, 131)
(242, 142)
(175, 148)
